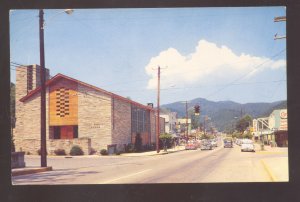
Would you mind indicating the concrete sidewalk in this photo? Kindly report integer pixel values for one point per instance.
(152, 153)
(276, 167)
(33, 170)
(268, 148)
(29, 170)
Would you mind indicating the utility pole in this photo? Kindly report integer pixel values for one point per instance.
(158, 100)
(279, 19)
(43, 149)
(186, 121)
(157, 118)
(204, 124)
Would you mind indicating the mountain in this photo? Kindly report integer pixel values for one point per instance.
(224, 113)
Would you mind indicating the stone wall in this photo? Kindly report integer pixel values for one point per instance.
(67, 144)
(94, 117)
(121, 132)
(28, 113)
(31, 146)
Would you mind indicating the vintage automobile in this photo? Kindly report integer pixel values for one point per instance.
(206, 145)
(191, 145)
(228, 143)
(214, 143)
(247, 145)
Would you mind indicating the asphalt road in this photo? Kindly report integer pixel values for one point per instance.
(195, 166)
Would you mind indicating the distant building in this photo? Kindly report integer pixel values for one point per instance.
(77, 114)
(170, 122)
(181, 125)
(272, 128)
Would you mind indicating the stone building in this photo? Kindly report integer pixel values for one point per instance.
(77, 113)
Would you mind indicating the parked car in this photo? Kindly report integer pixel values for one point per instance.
(214, 143)
(247, 145)
(228, 144)
(191, 145)
(206, 144)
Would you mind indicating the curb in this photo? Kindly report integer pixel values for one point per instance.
(30, 171)
(267, 168)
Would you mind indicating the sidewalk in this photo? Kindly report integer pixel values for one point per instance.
(268, 149)
(29, 170)
(152, 153)
(32, 170)
(276, 167)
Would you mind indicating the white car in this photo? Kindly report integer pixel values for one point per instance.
(247, 145)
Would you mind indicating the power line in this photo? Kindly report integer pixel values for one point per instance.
(243, 76)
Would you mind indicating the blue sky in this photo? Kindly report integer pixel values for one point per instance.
(213, 53)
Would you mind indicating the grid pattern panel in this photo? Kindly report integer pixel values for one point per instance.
(62, 102)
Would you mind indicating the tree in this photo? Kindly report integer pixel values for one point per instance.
(165, 138)
(243, 123)
(195, 121)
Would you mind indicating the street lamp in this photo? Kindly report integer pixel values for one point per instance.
(43, 85)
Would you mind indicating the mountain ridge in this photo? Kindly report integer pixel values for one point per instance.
(224, 113)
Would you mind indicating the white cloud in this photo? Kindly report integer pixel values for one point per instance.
(207, 63)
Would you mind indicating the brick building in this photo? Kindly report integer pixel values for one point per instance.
(77, 114)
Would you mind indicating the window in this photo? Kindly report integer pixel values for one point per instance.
(29, 78)
(140, 120)
(62, 102)
(65, 132)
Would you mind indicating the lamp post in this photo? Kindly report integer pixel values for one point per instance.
(43, 149)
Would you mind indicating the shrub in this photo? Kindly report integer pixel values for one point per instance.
(60, 152)
(93, 151)
(138, 142)
(76, 151)
(39, 152)
(103, 152)
(129, 148)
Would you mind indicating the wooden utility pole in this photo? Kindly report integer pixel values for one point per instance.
(279, 19)
(43, 149)
(157, 118)
(186, 121)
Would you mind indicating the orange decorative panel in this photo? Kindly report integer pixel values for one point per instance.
(63, 103)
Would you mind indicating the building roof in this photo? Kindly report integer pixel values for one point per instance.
(58, 77)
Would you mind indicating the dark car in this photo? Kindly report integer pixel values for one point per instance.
(228, 144)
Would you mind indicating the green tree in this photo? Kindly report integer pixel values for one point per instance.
(195, 121)
(166, 139)
(243, 123)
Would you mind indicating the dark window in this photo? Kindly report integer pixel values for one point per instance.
(29, 78)
(61, 132)
(140, 120)
(56, 132)
(75, 131)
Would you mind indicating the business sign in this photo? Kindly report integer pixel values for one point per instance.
(283, 114)
(283, 120)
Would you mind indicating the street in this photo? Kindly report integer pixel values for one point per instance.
(190, 166)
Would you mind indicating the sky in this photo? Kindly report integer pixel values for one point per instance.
(214, 53)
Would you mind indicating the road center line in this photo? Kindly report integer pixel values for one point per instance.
(109, 181)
